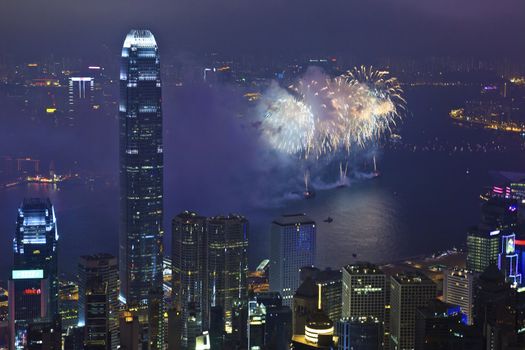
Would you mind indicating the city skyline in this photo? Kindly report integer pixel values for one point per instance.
(270, 176)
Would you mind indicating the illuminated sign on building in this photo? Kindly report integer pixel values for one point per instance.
(32, 291)
(508, 260)
(27, 274)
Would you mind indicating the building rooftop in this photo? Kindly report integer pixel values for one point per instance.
(307, 289)
(412, 278)
(363, 268)
(139, 37)
(35, 204)
(293, 219)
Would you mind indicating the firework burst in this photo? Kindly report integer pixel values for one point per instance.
(323, 115)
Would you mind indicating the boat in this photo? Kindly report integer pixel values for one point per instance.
(309, 194)
(328, 220)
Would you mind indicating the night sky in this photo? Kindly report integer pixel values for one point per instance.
(387, 27)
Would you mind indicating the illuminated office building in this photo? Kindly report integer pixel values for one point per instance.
(329, 289)
(458, 289)
(227, 244)
(96, 311)
(189, 276)
(364, 293)
(277, 321)
(256, 325)
(483, 248)
(293, 245)
(408, 291)
(98, 294)
(80, 98)
(68, 303)
(141, 169)
(28, 301)
(33, 287)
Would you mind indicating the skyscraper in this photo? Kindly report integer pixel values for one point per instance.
(141, 169)
(483, 248)
(293, 246)
(33, 288)
(362, 333)
(98, 286)
(363, 292)
(189, 277)
(458, 289)
(227, 262)
(408, 291)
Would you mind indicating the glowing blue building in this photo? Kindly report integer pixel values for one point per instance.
(292, 242)
(508, 259)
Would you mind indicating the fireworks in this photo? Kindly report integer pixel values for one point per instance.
(324, 115)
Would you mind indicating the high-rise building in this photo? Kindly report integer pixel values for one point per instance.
(293, 245)
(499, 213)
(81, 98)
(98, 290)
(45, 335)
(494, 311)
(330, 286)
(227, 245)
(130, 333)
(68, 303)
(363, 291)
(359, 334)
(458, 289)
(28, 301)
(278, 320)
(438, 326)
(189, 275)
(256, 325)
(483, 248)
(33, 288)
(408, 291)
(305, 303)
(96, 312)
(141, 169)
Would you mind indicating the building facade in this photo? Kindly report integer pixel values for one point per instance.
(483, 248)
(227, 252)
(458, 289)
(364, 292)
(33, 287)
(98, 286)
(189, 275)
(293, 245)
(408, 291)
(141, 169)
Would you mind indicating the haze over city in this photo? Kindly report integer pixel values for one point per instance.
(262, 175)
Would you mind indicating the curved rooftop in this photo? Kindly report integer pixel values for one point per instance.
(140, 37)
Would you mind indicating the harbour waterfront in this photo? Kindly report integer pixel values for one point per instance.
(384, 219)
(412, 208)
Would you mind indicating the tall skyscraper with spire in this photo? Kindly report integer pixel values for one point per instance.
(141, 178)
